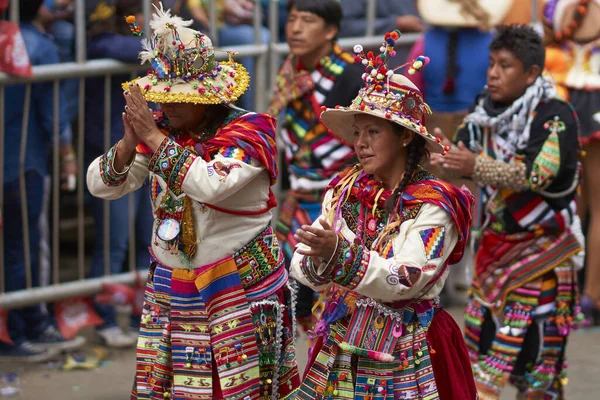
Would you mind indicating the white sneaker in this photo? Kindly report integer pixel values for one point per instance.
(116, 337)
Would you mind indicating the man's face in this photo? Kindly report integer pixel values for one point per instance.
(307, 33)
(507, 79)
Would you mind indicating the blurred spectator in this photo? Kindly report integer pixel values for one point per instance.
(235, 27)
(56, 15)
(282, 15)
(317, 73)
(389, 15)
(103, 20)
(35, 337)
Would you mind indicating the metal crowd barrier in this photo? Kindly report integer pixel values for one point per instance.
(268, 58)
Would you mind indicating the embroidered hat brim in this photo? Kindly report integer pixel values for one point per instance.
(340, 121)
(189, 92)
(402, 104)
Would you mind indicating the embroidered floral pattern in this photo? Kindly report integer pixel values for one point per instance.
(109, 176)
(172, 163)
(433, 242)
(403, 275)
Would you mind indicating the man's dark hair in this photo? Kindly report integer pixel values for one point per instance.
(523, 42)
(329, 10)
(28, 9)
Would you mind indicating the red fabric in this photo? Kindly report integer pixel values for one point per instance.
(72, 315)
(13, 54)
(451, 365)
(4, 336)
(3, 4)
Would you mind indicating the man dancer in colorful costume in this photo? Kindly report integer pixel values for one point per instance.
(218, 317)
(520, 144)
(318, 73)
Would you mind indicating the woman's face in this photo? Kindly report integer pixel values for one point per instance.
(379, 146)
(184, 115)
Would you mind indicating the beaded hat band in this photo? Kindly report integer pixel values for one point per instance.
(387, 95)
(184, 68)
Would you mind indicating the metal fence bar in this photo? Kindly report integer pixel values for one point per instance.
(132, 240)
(23, 298)
(147, 11)
(107, 66)
(106, 203)
(371, 11)
(212, 23)
(23, 191)
(260, 61)
(55, 182)
(14, 11)
(81, 182)
(274, 57)
(2, 188)
(80, 34)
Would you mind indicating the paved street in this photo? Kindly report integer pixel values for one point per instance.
(113, 380)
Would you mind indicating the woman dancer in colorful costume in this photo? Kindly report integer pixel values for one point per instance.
(573, 59)
(380, 252)
(520, 145)
(217, 318)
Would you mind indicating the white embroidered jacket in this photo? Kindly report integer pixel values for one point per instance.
(420, 252)
(218, 182)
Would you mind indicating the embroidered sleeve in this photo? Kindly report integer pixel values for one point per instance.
(499, 174)
(104, 182)
(546, 165)
(171, 162)
(206, 182)
(420, 257)
(109, 175)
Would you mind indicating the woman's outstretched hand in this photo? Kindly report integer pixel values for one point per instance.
(322, 242)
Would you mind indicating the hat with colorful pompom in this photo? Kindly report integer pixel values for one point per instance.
(184, 67)
(385, 94)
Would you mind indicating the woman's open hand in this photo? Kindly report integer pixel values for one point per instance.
(322, 242)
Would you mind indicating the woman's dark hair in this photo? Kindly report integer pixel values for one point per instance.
(523, 42)
(329, 10)
(416, 152)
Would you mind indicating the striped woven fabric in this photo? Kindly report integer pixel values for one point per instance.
(199, 337)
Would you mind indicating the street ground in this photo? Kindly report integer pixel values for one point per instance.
(113, 379)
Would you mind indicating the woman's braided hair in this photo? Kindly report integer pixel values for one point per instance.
(416, 152)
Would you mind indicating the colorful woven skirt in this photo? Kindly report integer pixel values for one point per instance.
(524, 344)
(206, 336)
(426, 364)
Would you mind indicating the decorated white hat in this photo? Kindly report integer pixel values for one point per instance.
(387, 95)
(184, 68)
(451, 14)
